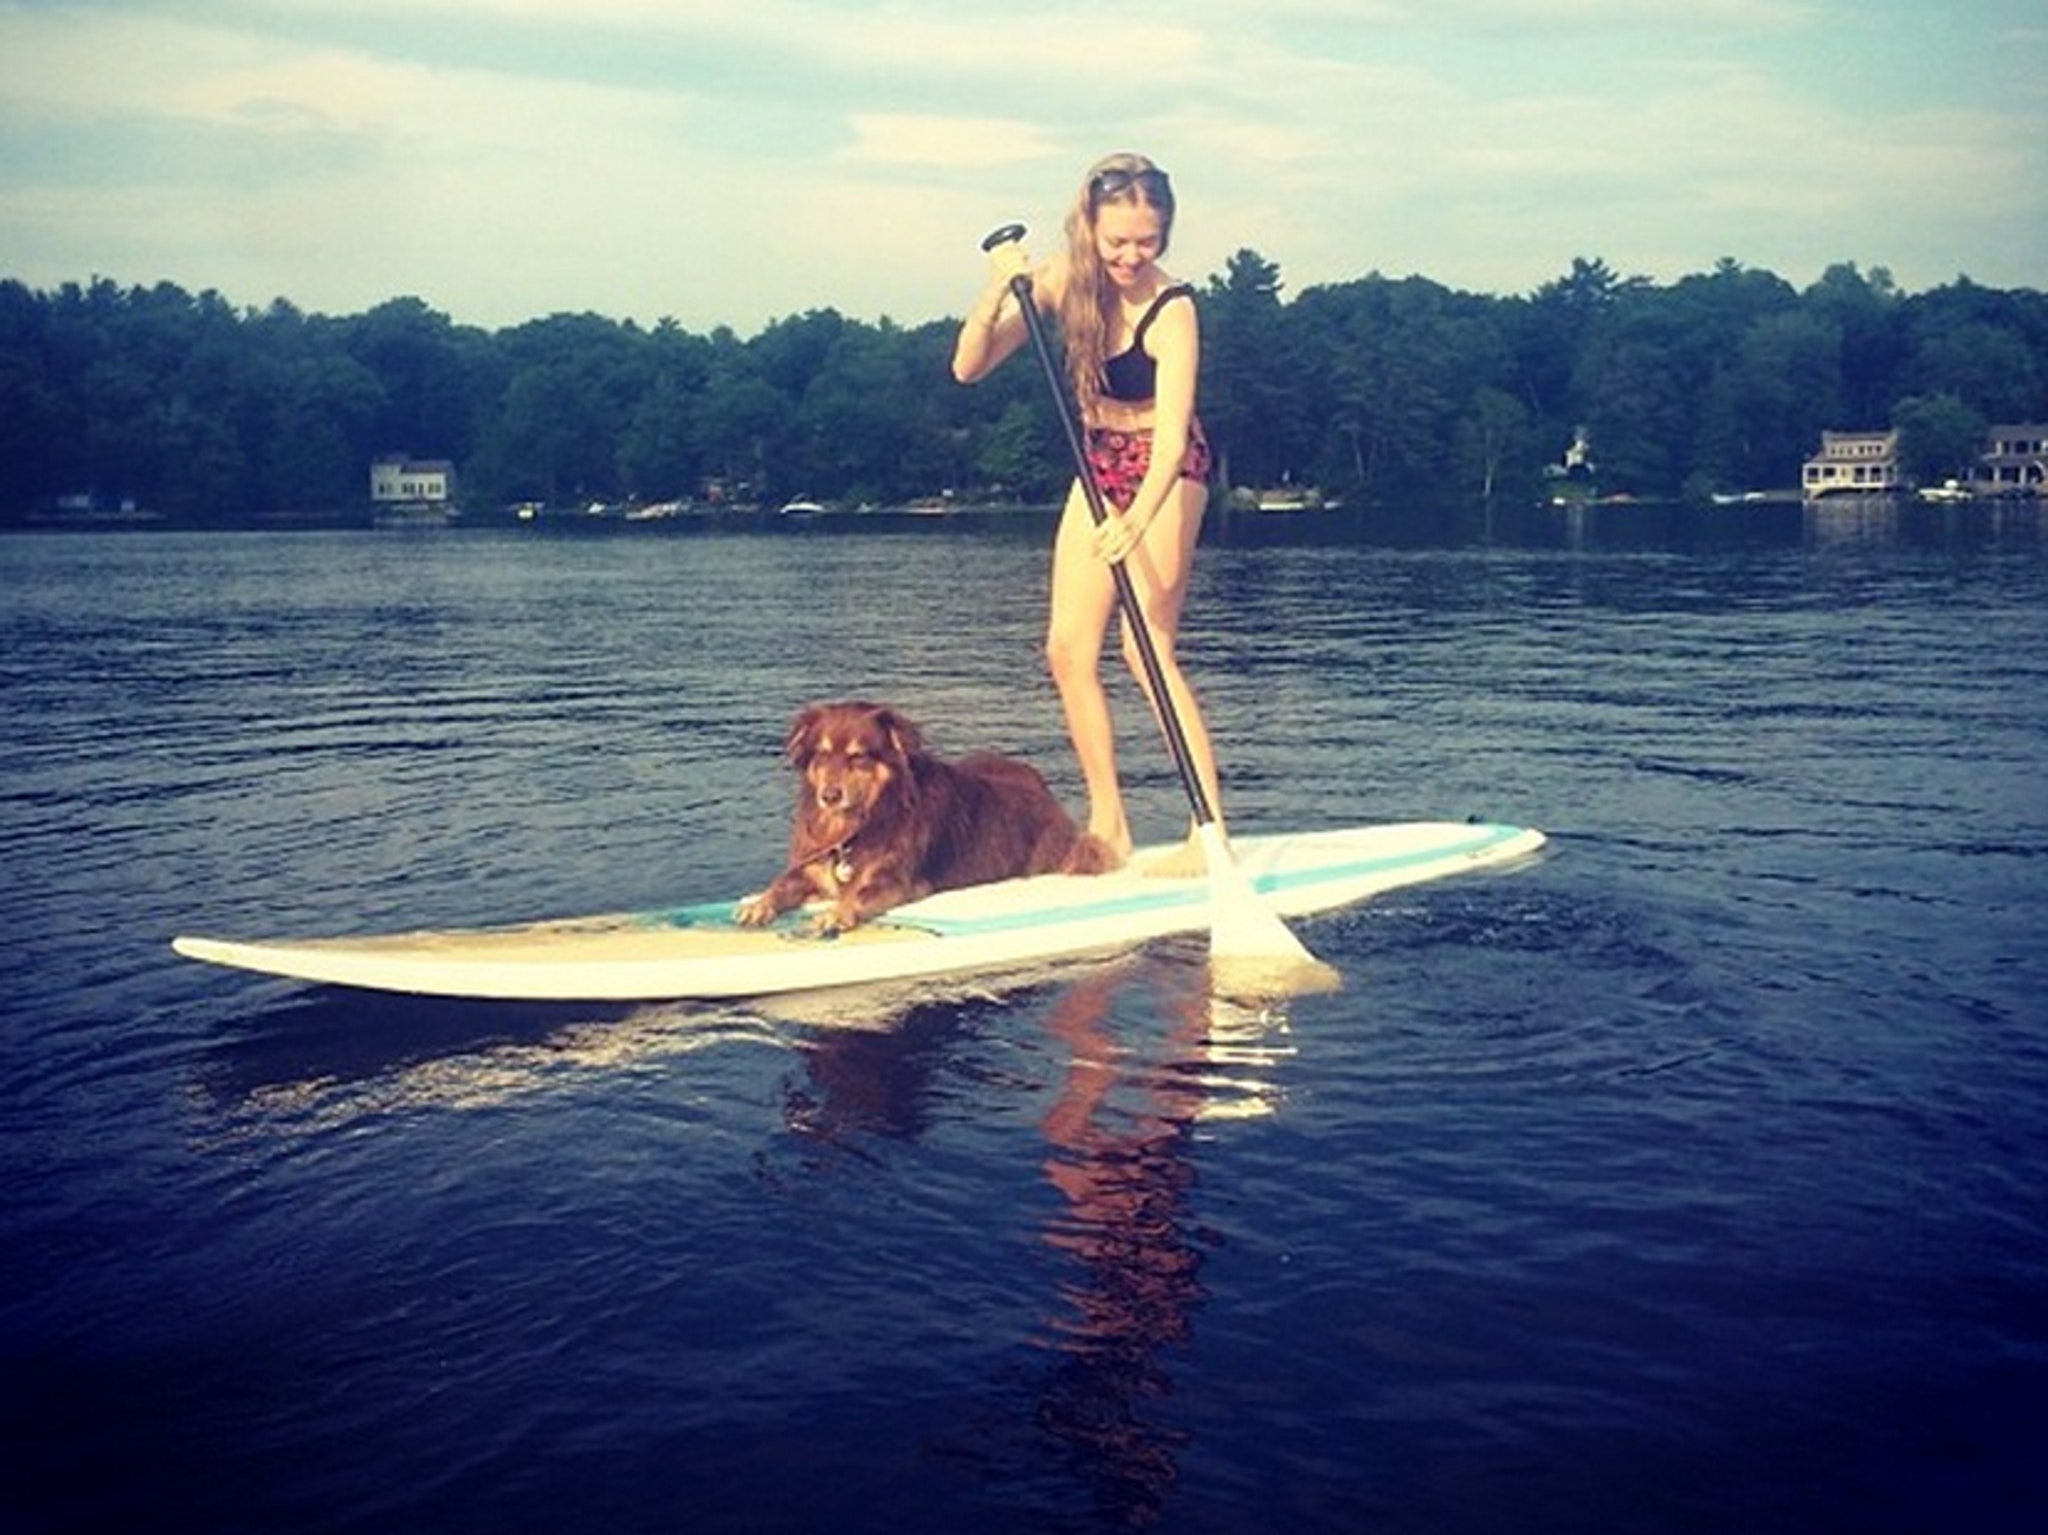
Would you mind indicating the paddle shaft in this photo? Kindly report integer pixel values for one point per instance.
(1126, 592)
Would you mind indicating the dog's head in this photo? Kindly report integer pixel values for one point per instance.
(850, 754)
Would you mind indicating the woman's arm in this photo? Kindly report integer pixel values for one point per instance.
(1175, 343)
(995, 325)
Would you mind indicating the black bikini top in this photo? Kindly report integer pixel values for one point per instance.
(1132, 377)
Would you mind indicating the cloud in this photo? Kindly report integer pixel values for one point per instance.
(1409, 169)
(380, 169)
(1663, 14)
(732, 160)
(891, 139)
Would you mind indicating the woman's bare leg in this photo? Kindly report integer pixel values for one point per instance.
(1083, 598)
(1159, 573)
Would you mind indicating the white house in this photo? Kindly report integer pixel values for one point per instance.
(2014, 461)
(1853, 463)
(396, 480)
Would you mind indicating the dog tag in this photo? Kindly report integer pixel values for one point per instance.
(843, 871)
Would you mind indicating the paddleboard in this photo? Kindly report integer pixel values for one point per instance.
(700, 951)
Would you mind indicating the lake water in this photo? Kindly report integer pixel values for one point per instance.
(1694, 1178)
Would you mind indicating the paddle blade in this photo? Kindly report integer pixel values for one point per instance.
(1252, 953)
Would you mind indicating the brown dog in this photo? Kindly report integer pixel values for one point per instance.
(881, 821)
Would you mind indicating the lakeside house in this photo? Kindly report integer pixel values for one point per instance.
(2014, 461)
(1573, 478)
(1853, 463)
(426, 484)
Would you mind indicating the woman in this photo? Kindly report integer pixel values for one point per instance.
(1133, 346)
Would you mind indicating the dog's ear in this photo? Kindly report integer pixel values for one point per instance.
(905, 739)
(803, 736)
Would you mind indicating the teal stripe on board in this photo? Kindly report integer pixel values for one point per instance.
(1386, 863)
(1195, 893)
(1163, 897)
(703, 914)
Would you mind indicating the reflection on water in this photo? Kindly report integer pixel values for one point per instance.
(1144, 1051)
(1676, 527)
(319, 1058)
(870, 1080)
(1144, 1059)
(1119, 1156)
(1120, 1138)
(1889, 520)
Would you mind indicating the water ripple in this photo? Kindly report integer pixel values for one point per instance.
(1677, 1180)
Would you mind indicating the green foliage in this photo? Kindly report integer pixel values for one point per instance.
(1251, 391)
(1940, 436)
(1373, 389)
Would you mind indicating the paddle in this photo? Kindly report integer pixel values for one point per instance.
(1249, 948)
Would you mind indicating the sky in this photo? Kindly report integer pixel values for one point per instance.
(734, 162)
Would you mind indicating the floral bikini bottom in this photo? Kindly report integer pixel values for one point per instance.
(1120, 460)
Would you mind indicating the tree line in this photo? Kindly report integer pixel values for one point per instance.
(1371, 390)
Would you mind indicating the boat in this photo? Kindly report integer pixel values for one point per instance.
(1281, 500)
(1948, 490)
(1291, 498)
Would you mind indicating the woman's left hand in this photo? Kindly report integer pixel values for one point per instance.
(1116, 537)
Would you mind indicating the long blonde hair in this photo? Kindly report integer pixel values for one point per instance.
(1088, 305)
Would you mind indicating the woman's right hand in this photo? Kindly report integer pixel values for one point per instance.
(990, 332)
(1007, 262)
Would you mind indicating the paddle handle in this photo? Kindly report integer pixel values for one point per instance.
(1126, 593)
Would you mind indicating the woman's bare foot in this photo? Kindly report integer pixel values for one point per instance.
(1116, 837)
(1183, 862)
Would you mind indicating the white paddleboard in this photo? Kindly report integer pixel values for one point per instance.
(700, 952)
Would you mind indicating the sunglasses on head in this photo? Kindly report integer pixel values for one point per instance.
(1109, 183)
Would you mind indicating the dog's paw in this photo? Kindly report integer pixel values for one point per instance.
(755, 910)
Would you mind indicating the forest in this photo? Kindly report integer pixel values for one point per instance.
(184, 406)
